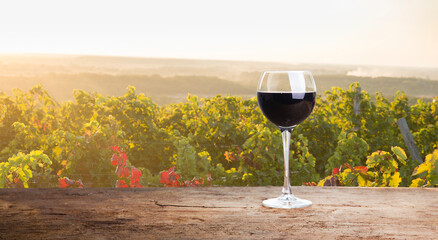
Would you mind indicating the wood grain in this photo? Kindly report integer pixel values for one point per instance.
(217, 213)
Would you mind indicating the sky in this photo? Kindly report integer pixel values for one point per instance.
(372, 32)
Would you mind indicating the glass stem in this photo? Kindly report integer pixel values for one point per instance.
(285, 134)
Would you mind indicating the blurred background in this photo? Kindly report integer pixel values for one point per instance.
(125, 93)
(167, 49)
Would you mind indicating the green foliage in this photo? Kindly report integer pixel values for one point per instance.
(427, 172)
(20, 168)
(86, 156)
(226, 136)
(350, 149)
(423, 122)
(386, 167)
(188, 162)
(382, 170)
(148, 179)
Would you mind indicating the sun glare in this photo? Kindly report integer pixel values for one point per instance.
(347, 32)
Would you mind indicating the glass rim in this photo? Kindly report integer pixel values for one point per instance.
(282, 72)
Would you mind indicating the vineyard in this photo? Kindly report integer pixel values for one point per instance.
(130, 141)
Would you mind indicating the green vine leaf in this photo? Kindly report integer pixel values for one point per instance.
(400, 153)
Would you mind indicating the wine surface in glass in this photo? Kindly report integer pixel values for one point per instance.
(286, 109)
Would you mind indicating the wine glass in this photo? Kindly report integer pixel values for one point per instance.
(286, 98)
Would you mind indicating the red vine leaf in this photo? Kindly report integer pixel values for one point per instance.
(362, 169)
(121, 184)
(69, 183)
(124, 157)
(122, 171)
(115, 160)
(170, 178)
(116, 149)
(135, 177)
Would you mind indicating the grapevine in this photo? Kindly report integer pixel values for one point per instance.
(129, 141)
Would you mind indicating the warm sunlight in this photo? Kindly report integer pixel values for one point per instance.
(397, 33)
(218, 119)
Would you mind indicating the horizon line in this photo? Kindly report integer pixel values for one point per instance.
(48, 54)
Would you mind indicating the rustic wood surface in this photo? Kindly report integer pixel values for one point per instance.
(217, 213)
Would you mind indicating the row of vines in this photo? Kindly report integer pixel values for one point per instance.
(129, 141)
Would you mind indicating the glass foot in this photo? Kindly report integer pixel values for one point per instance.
(287, 201)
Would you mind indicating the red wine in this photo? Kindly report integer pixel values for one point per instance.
(286, 109)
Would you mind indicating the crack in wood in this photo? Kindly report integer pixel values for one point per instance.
(189, 206)
(55, 213)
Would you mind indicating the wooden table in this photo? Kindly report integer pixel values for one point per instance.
(217, 213)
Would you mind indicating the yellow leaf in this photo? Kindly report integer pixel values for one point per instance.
(63, 163)
(395, 180)
(57, 151)
(322, 181)
(417, 182)
(362, 182)
(394, 164)
(27, 171)
(432, 157)
(21, 174)
(426, 166)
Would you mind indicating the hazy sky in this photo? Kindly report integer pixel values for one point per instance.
(377, 32)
